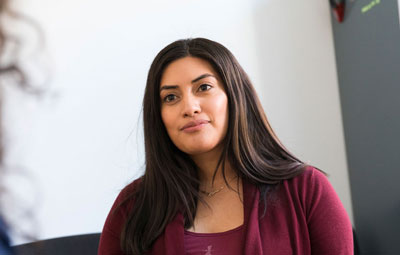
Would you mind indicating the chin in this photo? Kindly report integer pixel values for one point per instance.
(196, 151)
(199, 149)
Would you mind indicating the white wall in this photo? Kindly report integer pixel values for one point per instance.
(300, 87)
(83, 145)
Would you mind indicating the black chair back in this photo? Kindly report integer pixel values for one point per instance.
(69, 245)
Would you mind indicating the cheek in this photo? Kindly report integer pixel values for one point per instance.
(168, 117)
(167, 120)
(221, 111)
(224, 123)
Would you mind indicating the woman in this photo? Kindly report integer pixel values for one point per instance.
(217, 179)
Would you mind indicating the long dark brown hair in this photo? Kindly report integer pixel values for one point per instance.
(170, 182)
(11, 69)
(6, 70)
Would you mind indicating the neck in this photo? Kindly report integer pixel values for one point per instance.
(207, 164)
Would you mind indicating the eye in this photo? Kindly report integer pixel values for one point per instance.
(204, 87)
(169, 98)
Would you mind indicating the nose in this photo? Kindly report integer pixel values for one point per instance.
(190, 106)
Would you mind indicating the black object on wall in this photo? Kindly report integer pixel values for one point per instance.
(367, 47)
(338, 8)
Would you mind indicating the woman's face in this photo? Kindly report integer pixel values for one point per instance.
(194, 106)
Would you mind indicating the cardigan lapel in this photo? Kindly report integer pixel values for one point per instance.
(174, 237)
(171, 242)
(251, 198)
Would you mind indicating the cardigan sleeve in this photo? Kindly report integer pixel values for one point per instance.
(329, 226)
(111, 235)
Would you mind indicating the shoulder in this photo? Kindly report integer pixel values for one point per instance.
(311, 189)
(129, 190)
(311, 173)
(311, 179)
(314, 200)
(328, 223)
(113, 227)
(125, 199)
(123, 205)
(316, 195)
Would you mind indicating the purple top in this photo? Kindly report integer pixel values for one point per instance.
(304, 216)
(224, 243)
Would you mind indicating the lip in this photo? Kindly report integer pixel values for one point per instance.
(194, 125)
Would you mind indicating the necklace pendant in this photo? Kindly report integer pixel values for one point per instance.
(212, 193)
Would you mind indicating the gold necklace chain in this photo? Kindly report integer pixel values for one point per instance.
(213, 192)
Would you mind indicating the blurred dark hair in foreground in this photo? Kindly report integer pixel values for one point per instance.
(17, 34)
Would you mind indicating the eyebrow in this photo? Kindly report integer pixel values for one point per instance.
(168, 87)
(202, 77)
(193, 81)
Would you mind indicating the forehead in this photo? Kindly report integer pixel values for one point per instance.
(184, 70)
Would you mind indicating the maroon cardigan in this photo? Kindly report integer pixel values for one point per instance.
(304, 216)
